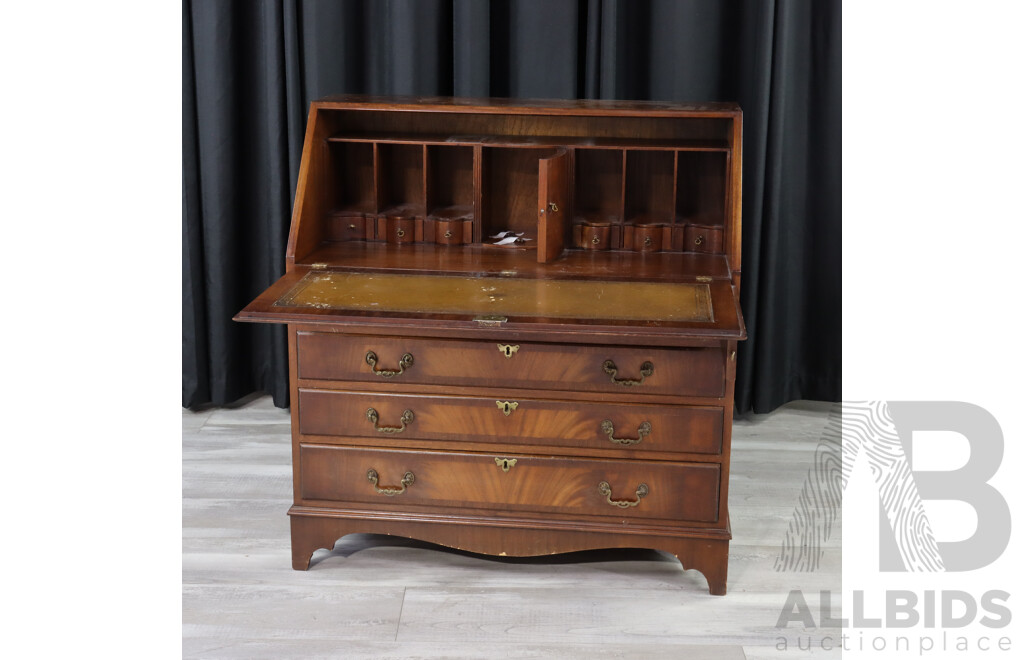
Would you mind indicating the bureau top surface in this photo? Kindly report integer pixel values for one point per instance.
(531, 106)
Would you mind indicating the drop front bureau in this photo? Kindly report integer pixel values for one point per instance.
(512, 326)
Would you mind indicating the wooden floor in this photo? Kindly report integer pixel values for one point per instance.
(382, 597)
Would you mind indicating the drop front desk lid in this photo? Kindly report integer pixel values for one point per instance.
(472, 301)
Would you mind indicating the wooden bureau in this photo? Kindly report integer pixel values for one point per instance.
(569, 390)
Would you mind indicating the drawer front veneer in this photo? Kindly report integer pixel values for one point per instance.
(625, 490)
(639, 427)
(611, 369)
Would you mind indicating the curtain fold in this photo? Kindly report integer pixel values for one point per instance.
(251, 68)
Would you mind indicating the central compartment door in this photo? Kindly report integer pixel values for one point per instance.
(552, 203)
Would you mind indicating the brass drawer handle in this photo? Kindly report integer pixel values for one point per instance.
(646, 369)
(508, 350)
(606, 490)
(403, 364)
(699, 240)
(448, 234)
(643, 430)
(407, 418)
(407, 481)
(401, 233)
(507, 406)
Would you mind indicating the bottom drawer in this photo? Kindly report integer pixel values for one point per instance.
(511, 483)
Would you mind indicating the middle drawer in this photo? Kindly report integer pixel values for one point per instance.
(643, 427)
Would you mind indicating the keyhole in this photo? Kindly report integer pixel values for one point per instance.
(508, 352)
(507, 406)
(505, 464)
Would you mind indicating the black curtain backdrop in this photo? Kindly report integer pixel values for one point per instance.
(251, 69)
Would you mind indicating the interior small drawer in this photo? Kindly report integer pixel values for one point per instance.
(635, 427)
(623, 490)
(698, 371)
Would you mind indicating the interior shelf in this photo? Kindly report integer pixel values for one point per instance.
(449, 181)
(400, 178)
(352, 186)
(575, 142)
(650, 186)
(701, 188)
(599, 179)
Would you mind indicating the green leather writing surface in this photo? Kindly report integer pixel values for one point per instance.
(501, 296)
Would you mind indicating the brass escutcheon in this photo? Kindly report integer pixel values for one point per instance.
(505, 464)
(507, 406)
(407, 480)
(405, 362)
(508, 350)
(646, 369)
(407, 418)
(641, 491)
(609, 429)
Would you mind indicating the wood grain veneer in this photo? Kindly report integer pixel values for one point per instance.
(643, 428)
(678, 371)
(539, 484)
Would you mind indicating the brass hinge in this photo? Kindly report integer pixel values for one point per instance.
(318, 266)
(490, 320)
(703, 278)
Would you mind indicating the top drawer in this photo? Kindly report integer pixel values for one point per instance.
(632, 370)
